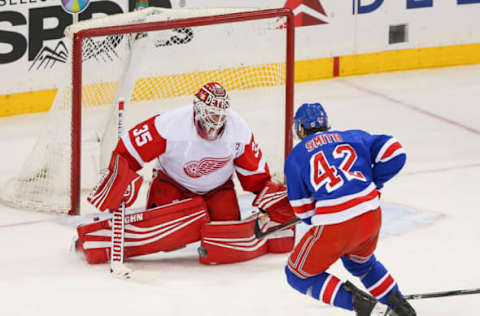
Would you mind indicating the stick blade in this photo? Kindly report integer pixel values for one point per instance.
(121, 271)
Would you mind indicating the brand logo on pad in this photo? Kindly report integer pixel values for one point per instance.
(307, 12)
(196, 169)
(133, 218)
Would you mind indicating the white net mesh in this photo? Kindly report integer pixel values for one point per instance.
(154, 72)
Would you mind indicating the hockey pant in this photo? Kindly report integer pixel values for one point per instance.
(354, 242)
(221, 202)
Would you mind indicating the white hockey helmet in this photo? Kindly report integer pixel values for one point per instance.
(210, 105)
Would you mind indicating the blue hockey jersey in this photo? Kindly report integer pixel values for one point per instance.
(334, 176)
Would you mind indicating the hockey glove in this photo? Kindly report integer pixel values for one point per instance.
(273, 200)
(117, 184)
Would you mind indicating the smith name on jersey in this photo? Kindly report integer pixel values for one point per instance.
(335, 176)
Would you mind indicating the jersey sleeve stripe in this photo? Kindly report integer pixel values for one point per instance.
(303, 208)
(393, 151)
(305, 211)
(300, 202)
(131, 150)
(389, 150)
(260, 169)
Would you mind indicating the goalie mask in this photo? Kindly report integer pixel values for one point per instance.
(210, 107)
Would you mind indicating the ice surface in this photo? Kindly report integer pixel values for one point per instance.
(430, 237)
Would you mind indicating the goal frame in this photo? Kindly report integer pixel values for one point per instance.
(163, 25)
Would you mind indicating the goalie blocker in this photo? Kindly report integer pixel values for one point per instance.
(175, 225)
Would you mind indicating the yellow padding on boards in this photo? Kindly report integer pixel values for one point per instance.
(409, 59)
(26, 102)
(313, 69)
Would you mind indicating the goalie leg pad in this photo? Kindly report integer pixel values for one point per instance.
(278, 242)
(164, 228)
(231, 241)
(281, 241)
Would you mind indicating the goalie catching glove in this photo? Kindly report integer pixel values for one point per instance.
(119, 183)
(273, 200)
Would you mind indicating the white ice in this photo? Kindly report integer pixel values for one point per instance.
(430, 238)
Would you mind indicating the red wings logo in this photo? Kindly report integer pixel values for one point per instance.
(196, 169)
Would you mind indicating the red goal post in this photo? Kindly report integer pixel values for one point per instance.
(79, 96)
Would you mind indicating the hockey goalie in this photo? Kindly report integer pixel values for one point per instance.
(196, 151)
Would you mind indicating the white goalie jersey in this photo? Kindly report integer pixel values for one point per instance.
(199, 165)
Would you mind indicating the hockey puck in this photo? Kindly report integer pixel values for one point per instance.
(202, 252)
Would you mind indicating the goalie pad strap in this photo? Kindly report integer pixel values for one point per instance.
(163, 228)
(281, 241)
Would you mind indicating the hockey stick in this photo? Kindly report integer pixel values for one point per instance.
(261, 234)
(117, 268)
(442, 294)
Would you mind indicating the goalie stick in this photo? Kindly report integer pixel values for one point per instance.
(117, 268)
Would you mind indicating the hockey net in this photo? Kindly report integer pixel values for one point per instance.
(155, 59)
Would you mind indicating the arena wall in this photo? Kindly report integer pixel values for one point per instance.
(333, 38)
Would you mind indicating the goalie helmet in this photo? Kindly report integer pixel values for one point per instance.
(210, 107)
(311, 116)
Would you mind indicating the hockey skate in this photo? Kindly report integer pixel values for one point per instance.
(364, 304)
(400, 306)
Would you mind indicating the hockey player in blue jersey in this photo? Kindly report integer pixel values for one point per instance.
(333, 180)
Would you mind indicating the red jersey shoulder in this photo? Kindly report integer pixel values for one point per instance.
(146, 140)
